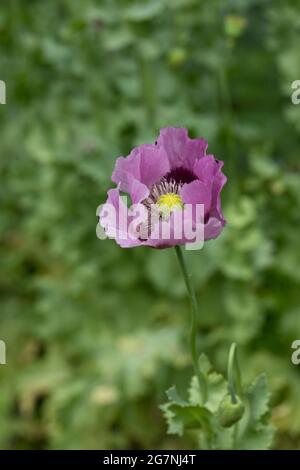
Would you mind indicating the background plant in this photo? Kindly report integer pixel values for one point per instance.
(95, 334)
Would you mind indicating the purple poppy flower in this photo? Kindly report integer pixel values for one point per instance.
(165, 179)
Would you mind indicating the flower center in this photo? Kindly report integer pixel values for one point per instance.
(164, 198)
(170, 201)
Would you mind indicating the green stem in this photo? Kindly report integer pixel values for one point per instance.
(194, 313)
(233, 374)
(234, 382)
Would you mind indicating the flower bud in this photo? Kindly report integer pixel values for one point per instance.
(230, 413)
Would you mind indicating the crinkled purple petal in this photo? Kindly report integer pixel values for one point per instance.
(205, 168)
(146, 163)
(181, 150)
(197, 192)
(109, 220)
(218, 184)
(137, 190)
(213, 228)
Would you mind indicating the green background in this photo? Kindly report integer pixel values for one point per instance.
(96, 333)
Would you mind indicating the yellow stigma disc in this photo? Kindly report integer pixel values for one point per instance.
(169, 202)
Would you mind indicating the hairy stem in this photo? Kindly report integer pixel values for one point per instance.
(194, 312)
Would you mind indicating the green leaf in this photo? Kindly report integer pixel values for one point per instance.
(181, 415)
(259, 396)
(216, 386)
(254, 431)
(259, 437)
(173, 396)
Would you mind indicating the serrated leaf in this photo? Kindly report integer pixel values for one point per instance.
(259, 396)
(254, 431)
(181, 415)
(258, 438)
(223, 438)
(181, 418)
(173, 396)
(216, 386)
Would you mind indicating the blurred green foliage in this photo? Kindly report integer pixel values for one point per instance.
(94, 333)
